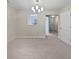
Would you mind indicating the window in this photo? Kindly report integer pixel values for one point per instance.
(32, 19)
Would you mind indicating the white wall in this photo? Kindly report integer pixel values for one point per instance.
(25, 30)
(64, 32)
(17, 23)
(11, 23)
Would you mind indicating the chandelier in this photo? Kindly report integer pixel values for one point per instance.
(37, 8)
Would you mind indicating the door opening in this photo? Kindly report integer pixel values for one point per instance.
(51, 24)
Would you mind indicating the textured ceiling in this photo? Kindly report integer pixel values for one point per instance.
(47, 4)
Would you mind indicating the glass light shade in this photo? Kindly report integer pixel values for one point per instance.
(39, 10)
(33, 9)
(37, 7)
(42, 9)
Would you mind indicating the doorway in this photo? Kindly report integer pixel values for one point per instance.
(51, 24)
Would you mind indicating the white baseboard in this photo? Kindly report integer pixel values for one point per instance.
(11, 39)
(69, 43)
(25, 37)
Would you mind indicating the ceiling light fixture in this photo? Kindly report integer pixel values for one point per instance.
(37, 8)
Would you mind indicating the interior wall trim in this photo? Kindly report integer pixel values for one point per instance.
(68, 43)
(26, 37)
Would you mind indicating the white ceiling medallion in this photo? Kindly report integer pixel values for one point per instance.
(37, 8)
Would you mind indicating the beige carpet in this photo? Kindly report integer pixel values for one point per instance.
(48, 48)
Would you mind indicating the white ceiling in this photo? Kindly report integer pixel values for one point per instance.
(47, 4)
